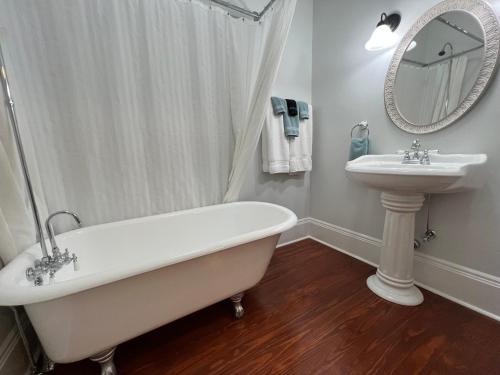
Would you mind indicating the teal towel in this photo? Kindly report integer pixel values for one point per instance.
(303, 110)
(279, 105)
(359, 147)
(290, 124)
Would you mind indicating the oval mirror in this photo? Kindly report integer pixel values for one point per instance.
(442, 66)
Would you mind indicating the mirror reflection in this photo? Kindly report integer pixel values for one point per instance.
(439, 68)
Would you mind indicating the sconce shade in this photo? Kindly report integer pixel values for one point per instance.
(383, 36)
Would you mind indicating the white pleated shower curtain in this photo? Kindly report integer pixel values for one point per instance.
(139, 107)
(424, 90)
(260, 72)
(443, 93)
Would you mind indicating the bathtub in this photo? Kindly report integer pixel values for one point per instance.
(137, 275)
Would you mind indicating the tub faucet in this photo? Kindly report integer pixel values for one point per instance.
(51, 264)
(50, 229)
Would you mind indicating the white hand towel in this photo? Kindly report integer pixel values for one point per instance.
(301, 146)
(275, 145)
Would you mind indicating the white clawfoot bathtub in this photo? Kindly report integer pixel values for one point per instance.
(139, 274)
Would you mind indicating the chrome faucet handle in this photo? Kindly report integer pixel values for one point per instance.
(35, 274)
(425, 159)
(67, 258)
(406, 155)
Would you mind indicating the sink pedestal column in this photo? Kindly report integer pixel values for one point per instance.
(394, 278)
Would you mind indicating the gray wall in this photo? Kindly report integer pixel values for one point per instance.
(293, 81)
(348, 86)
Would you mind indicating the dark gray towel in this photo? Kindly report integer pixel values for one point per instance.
(292, 107)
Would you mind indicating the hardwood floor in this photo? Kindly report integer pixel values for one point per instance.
(313, 314)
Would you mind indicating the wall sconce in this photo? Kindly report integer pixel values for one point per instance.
(383, 36)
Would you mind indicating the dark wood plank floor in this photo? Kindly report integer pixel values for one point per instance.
(313, 314)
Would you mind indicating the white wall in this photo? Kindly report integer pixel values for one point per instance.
(293, 81)
(348, 86)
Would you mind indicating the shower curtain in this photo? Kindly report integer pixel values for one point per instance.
(454, 92)
(140, 107)
(17, 229)
(251, 101)
(423, 90)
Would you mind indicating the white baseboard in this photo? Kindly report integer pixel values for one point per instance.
(357, 245)
(468, 287)
(299, 232)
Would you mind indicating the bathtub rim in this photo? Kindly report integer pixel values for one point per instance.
(14, 294)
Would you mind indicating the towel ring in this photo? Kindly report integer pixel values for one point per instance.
(363, 125)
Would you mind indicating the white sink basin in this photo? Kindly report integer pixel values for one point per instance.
(447, 173)
(403, 187)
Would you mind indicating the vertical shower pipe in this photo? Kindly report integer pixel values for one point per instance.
(22, 156)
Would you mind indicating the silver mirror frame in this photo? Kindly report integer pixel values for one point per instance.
(487, 18)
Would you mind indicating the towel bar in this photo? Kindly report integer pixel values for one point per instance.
(363, 125)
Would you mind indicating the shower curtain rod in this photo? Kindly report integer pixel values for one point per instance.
(460, 30)
(425, 65)
(256, 16)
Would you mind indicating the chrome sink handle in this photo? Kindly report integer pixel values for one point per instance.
(406, 156)
(425, 159)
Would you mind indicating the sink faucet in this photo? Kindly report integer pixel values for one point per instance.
(415, 156)
(51, 264)
(415, 147)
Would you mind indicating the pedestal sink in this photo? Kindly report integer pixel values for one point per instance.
(403, 187)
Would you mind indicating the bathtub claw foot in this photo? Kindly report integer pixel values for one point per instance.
(105, 359)
(239, 311)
